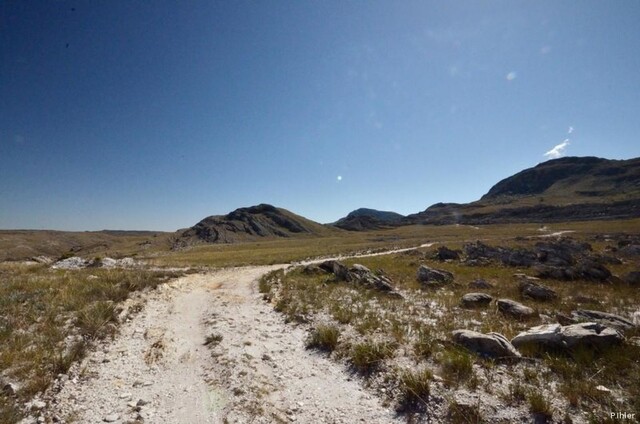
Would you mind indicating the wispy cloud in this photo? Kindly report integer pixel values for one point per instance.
(570, 130)
(558, 150)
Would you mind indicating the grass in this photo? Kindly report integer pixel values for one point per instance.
(368, 356)
(324, 338)
(457, 366)
(539, 406)
(48, 317)
(415, 388)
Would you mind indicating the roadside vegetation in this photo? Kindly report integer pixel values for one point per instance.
(48, 318)
(402, 346)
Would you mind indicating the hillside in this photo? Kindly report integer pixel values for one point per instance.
(566, 189)
(246, 224)
(368, 219)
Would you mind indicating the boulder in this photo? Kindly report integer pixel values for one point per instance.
(480, 284)
(313, 270)
(429, 275)
(529, 287)
(493, 344)
(471, 300)
(336, 268)
(515, 309)
(604, 318)
(518, 257)
(565, 319)
(556, 336)
(445, 254)
(360, 274)
(585, 270)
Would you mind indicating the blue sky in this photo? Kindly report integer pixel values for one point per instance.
(153, 115)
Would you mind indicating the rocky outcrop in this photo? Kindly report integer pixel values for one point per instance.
(515, 309)
(493, 345)
(360, 275)
(556, 336)
(604, 318)
(471, 300)
(446, 254)
(432, 276)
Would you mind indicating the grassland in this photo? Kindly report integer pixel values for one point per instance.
(49, 317)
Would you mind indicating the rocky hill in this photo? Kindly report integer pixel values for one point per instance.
(368, 219)
(566, 189)
(245, 224)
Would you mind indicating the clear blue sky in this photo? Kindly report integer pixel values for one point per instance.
(153, 115)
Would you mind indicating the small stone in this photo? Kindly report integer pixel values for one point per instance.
(603, 389)
(125, 396)
(38, 404)
(142, 402)
(111, 418)
(132, 404)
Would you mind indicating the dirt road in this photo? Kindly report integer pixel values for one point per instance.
(158, 369)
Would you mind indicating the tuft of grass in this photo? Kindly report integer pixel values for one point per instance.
(539, 406)
(93, 319)
(324, 337)
(213, 339)
(367, 356)
(415, 389)
(457, 366)
(459, 413)
(423, 346)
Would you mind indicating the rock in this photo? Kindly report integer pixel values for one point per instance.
(529, 287)
(10, 389)
(471, 300)
(111, 418)
(631, 250)
(604, 318)
(38, 404)
(565, 319)
(515, 309)
(429, 275)
(556, 336)
(446, 254)
(73, 262)
(480, 284)
(518, 257)
(336, 268)
(361, 275)
(585, 270)
(313, 270)
(493, 344)
(632, 278)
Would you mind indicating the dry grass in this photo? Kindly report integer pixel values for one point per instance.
(47, 318)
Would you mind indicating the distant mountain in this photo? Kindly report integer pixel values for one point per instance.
(368, 219)
(247, 224)
(566, 189)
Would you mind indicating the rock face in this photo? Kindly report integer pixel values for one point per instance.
(585, 270)
(471, 300)
(247, 224)
(603, 318)
(432, 276)
(515, 309)
(556, 336)
(493, 344)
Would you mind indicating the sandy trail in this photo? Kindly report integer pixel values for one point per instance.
(158, 369)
